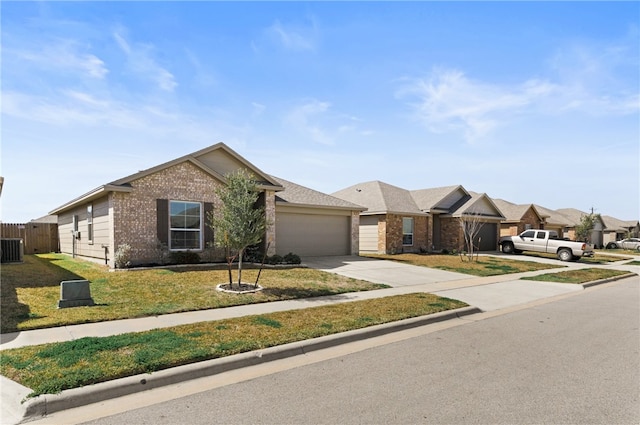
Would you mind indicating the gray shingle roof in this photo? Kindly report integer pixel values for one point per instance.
(380, 197)
(295, 194)
(436, 198)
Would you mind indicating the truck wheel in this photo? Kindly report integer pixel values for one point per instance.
(507, 248)
(565, 254)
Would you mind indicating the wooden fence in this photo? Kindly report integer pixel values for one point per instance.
(38, 238)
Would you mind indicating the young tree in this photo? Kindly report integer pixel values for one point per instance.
(471, 225)
(586, 226)
(239, 223)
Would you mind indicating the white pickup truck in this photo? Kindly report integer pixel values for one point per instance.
(545, 241)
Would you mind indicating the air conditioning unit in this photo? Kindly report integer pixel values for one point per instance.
(11, 250)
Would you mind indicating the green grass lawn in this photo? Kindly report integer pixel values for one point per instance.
(51, 368)
(480, 266)
(577, 276)
(30, 291)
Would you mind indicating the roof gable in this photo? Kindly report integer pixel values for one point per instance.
(439, 199)
(514, 212)
(217, 160)
(479, 204)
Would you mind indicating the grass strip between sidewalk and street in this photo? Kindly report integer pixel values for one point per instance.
(51, 368)
(577, 276)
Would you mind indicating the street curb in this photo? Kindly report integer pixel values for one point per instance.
(607, 280)
(46, 404)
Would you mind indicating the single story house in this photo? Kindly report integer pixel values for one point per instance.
(167, 205)
(554, 221)
(399, 220)
(574, 216)
(616, 229)
(519, 218)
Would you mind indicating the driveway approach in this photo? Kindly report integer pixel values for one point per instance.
(374, 270)
(487, 293)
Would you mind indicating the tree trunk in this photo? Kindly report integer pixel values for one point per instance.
(241, 253)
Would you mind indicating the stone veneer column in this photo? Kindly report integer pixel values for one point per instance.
(355, 232)
(270, 212)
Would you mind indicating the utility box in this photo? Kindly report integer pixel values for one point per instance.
(75, 293)
(11, 250)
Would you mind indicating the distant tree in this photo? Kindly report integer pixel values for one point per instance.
(585, 228)
(471, 225)
(238, 223)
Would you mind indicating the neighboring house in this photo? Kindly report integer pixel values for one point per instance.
(168, 205)
(574, 217)
(398, 220)
(392, 222)
(519, 218)
(554, 220)
(616, 229)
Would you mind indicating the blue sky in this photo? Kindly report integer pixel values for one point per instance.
(528, 102)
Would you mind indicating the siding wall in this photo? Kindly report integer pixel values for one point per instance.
(101, 234)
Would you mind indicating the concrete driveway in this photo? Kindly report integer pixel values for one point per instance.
(390, 273)
(487, 293)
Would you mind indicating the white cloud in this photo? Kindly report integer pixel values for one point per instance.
(299, 38)
(140, 60)
(305, 119)
(65, 55)
(449, 101)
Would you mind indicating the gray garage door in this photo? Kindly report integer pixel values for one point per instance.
(489, 235)
(313, 234)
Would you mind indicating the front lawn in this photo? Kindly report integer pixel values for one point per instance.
(599, 257)
(51, 368)
(480, 266)
(577, 276)
(30, 291)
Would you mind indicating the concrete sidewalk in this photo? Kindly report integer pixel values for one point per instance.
(481, 293)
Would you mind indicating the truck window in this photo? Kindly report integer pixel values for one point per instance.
(528, 234)
(540, 235)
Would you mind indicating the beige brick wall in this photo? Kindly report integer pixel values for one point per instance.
(392, 228)
(134, 213)
(451, 236)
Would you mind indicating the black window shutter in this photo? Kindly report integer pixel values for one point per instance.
(208, 231)
(162, 210)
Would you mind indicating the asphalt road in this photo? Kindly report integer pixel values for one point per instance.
(573, 360)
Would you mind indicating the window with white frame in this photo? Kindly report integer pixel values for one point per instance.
(407, 231)
(90, 223)
(185, 225)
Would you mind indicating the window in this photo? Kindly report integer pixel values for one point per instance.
(528, 234)
(407, 231)
(185, 220)
(90, 223)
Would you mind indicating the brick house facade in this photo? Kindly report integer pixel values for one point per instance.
(166, 209)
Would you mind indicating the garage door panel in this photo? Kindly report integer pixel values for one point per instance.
(313, 234)
(489, 235)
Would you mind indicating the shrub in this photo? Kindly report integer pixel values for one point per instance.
(185, 257)
(275, 259)
(292, 258)
(122, 258)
